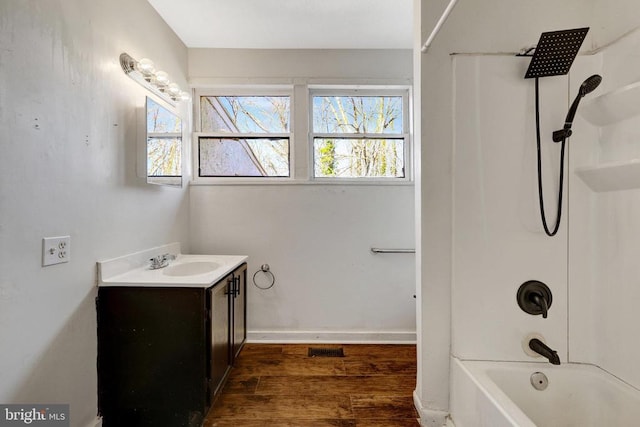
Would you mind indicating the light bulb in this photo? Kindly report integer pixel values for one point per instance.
(173, 89)
(146, 67)
(162, 79)
(184, 96)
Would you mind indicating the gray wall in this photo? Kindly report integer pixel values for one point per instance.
(316, 237)
(68, 167)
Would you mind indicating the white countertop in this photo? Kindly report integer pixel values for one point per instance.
(110, 275)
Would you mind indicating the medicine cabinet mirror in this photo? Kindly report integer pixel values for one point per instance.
(162, 144)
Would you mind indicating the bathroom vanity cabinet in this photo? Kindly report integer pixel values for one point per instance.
(165, 351)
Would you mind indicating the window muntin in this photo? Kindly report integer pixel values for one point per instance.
(244, 136)
(361, 136)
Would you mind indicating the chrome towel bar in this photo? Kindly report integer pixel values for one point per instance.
(392, 251)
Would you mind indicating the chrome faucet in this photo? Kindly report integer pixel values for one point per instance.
(543, 350)
(160, 261)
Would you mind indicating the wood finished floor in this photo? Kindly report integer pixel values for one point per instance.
(280, 386)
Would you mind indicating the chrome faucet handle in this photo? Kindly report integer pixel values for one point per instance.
(159, 261)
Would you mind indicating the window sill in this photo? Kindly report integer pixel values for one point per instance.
(287, 181)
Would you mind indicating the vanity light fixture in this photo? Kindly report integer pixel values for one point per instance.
(145, 73)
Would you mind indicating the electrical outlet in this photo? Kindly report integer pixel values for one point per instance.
(56, 250)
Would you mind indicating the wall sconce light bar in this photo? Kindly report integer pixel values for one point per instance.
(144, 72)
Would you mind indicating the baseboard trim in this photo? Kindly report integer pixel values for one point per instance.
(431, 417)
(330, 337)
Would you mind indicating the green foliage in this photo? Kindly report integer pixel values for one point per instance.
(377, 118)
(327, 159)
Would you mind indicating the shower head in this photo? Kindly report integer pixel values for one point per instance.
(588, 86)
(555, 52)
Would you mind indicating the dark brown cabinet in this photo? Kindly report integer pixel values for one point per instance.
(164, 352)
(228, 325)
(239, 304)
(220, 337)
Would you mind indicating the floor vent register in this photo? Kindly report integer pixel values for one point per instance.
(326, 352)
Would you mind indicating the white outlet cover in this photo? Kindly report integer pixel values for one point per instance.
(56, 250)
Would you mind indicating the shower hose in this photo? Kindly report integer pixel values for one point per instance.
(540, 196)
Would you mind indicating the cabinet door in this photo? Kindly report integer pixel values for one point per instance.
(151, 356)
(220, 353)
(239, 309)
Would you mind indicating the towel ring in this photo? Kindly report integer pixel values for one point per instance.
(264, 268)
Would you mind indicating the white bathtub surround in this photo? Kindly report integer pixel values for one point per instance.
(500, 394)
(489, 27)
(594, 270)
(606, 226)
(499, 242)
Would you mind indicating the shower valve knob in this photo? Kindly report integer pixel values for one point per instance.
(534, 297)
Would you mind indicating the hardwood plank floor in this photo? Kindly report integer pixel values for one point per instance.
(281, 386)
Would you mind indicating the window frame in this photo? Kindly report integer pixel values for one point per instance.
(244, 90)
(301, 149)
(377, 91)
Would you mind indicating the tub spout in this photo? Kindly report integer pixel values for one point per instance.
(543, 350)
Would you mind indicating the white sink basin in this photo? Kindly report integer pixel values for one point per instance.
(191, 268)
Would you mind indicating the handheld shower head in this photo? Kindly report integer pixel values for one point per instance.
(588, 86)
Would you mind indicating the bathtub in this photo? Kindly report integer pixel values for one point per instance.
(500, 394)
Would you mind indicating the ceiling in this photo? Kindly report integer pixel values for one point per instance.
(290, 24)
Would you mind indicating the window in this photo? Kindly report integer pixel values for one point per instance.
(244, 136)
(359, 135)
(302, 134)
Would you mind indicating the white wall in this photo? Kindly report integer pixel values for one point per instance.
(315, 237)
(67, 166)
